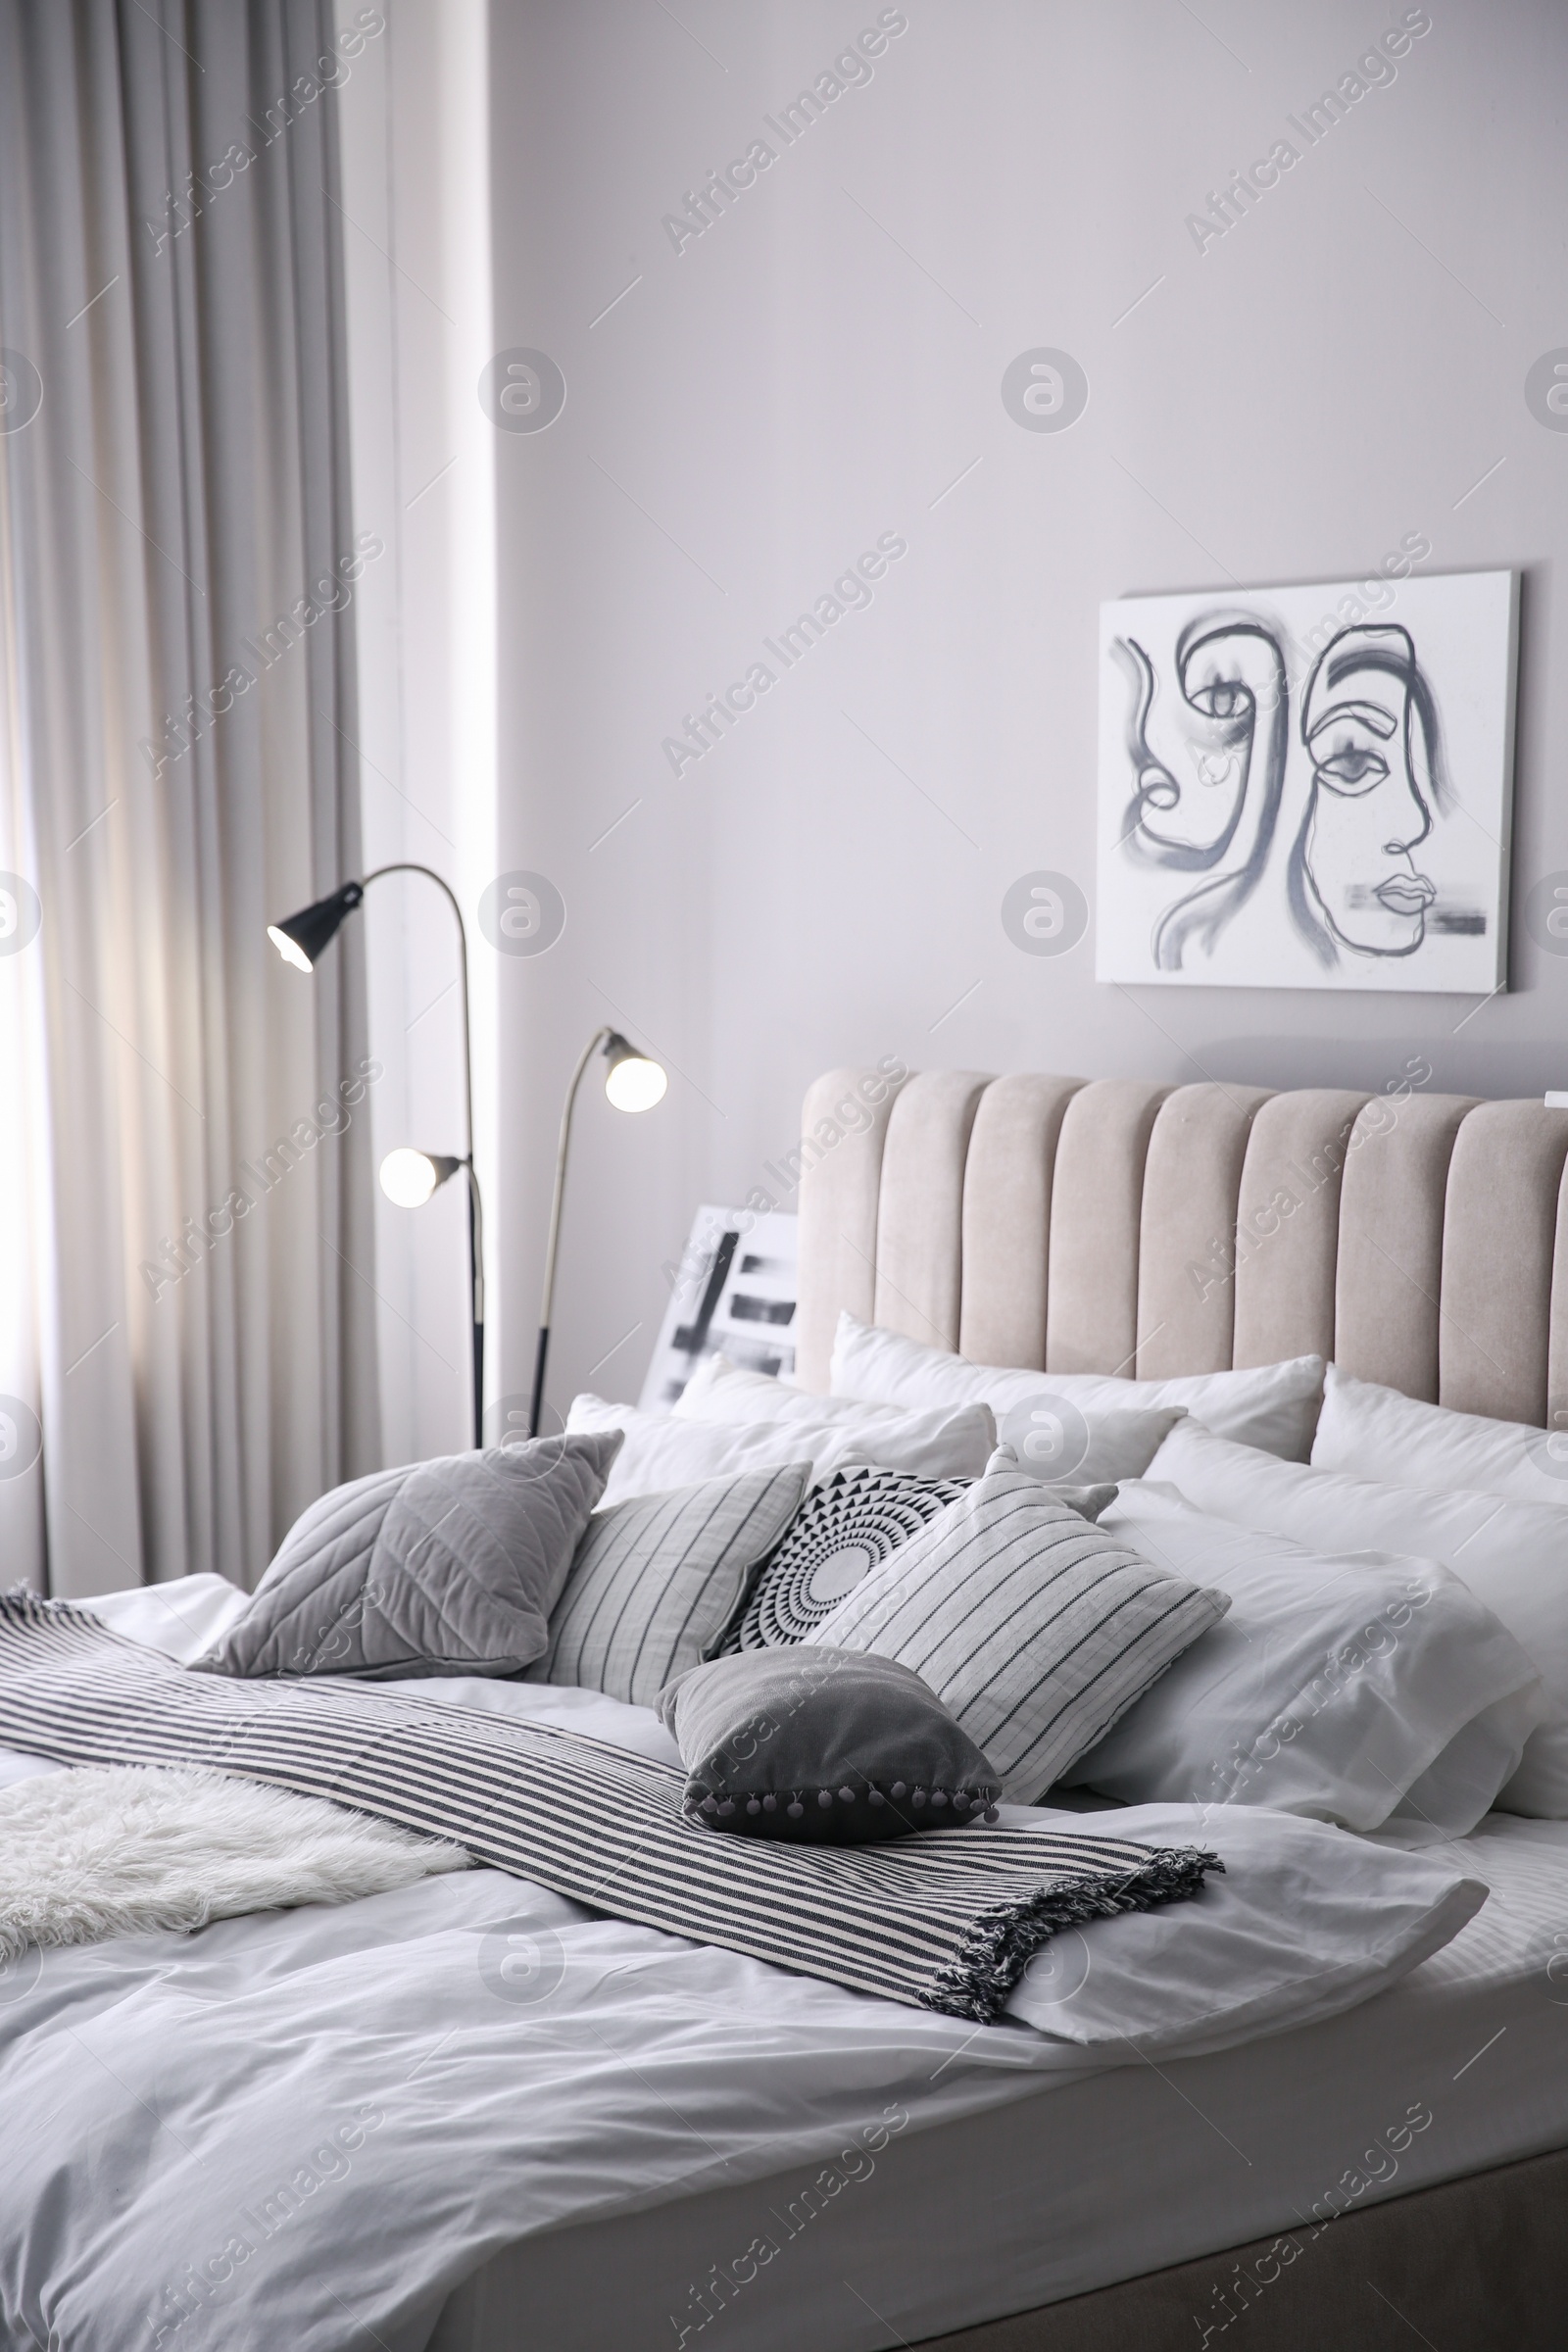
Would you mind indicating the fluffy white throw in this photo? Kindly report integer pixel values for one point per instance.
(123, 1851)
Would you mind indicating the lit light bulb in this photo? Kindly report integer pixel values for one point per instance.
(408, 1177)
(635, 1083)
(289, 949)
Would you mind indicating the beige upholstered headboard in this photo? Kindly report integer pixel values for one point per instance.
(1116, 1226)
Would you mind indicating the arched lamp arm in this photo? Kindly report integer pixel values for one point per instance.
(548, 1298)
(404, 865)
(407, 866)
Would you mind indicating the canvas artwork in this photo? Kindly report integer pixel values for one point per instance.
(732, 1293)
(1308, 787)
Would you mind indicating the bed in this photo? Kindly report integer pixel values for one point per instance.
(1083, 2202)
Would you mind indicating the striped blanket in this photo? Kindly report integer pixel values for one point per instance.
(946, 1919)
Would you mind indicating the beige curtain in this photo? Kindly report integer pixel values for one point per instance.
(186, 1293)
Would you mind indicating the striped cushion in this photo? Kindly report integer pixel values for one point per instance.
(1034, 1628)
(656, 1580)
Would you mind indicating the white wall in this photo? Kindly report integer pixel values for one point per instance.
(816, 369)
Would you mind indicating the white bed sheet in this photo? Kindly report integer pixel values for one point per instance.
(1103, 2178)
(646, 2135)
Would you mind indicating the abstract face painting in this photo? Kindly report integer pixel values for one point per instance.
(1369, 812)
(1308, 788)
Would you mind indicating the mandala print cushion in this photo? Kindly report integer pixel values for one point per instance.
(844, 1528)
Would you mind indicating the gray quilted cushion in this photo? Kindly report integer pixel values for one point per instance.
(443, 1567)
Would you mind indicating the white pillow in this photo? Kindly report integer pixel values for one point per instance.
(662, 1451)
(1055, 1443)
(1032, 1629)
(953, 1440)
(182, 1618)
(1273, 1405)
(1373, 1432)
(1336, 1686)
(1306, 1922)
(1512, 1555)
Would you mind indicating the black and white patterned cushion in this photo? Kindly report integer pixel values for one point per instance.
(846, 1526)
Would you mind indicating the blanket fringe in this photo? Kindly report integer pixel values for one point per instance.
(999, 1943)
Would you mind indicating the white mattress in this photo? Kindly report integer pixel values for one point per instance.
(1098, 2179)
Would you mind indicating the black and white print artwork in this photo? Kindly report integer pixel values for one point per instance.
(731, 1294)
(1308, 787)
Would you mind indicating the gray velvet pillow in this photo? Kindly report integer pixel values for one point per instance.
(444, 1567)
(825, 1746)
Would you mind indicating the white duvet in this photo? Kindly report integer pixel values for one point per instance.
(306, 2127)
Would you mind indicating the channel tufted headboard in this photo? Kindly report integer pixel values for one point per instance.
(1117, 1226)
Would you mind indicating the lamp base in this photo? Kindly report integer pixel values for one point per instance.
(536, 1409)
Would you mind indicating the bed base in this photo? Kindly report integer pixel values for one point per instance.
(1474, 2264)
(1477, 2263)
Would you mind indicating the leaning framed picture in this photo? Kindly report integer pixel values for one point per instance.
(731, 1294)
(1308, 787)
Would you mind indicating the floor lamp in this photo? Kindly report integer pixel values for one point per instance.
(632, 1081)
(408, 1177)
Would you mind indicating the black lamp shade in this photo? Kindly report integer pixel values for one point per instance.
(310, 930)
